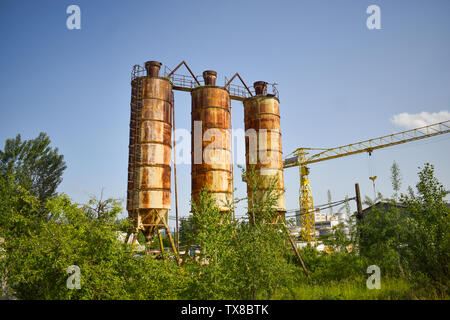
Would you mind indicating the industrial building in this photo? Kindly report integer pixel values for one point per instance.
(152, 123)
(324, 223)
(152, 116)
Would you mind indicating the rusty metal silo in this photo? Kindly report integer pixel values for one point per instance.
(149, 169)
(211, 159)
(262, 116)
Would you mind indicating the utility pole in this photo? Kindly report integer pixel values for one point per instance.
(358, 202)
(359, 213)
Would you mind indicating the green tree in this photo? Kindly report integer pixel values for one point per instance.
(410, 235)
(35, 165)
(427, 250)
(105, 210)
(396, 179)
(261, 260)
(263, 199)
(246, 259)
(383, 234)
(186, 230)
(39, 251)
(212, 230)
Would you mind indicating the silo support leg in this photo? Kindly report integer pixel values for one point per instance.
(172, 243)
(161, 244)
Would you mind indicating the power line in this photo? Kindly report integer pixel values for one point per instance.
(326, 205)
(318, 207)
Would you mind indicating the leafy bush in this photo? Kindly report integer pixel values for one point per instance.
(248, 259)
(426, 253)
(39, 251)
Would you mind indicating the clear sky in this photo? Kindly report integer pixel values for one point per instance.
(339, 82)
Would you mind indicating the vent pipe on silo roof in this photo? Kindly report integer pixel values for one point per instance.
(152, 68)
(210, 77)
(260, 88)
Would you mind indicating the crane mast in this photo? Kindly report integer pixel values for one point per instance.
(307, 220)
(299, 158)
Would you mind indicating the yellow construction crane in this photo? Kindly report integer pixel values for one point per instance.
(300, 158)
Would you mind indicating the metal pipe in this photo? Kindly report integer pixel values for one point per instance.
(232, 164)
(175, 172)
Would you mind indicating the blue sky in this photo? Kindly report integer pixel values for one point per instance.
(339, 82)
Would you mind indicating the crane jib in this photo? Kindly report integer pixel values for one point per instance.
(299, 159)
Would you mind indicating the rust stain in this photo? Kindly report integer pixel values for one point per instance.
(211, 105)
(262, 112)
(150, 146)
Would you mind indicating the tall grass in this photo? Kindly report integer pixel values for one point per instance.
(355, 289)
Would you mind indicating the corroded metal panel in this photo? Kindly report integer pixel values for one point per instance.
(262, 114)
(211, 106)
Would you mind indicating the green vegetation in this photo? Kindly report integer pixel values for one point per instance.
(391, 289)
(34, 165)
(45, 233)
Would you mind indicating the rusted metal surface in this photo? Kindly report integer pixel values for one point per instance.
(211, 106)
(149, 169)
(262, 114)
(260, 88)
(152, 68)
(209, 76)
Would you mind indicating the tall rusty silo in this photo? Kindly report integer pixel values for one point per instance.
(211, 159)
(262, 114)
(149, 168)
